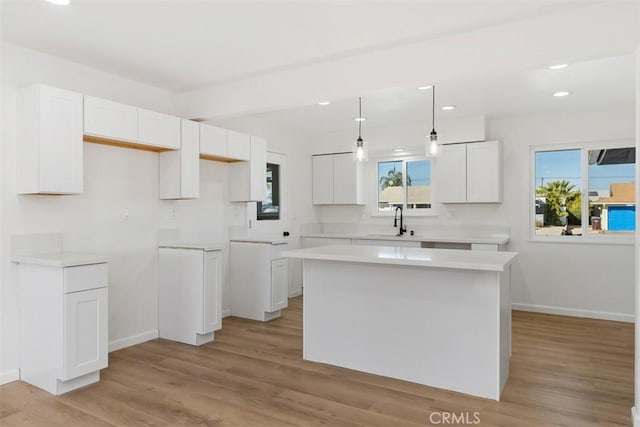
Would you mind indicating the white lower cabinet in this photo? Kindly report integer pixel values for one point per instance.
(189, 294)
(64, 325)
(86, 317)
(259, 279)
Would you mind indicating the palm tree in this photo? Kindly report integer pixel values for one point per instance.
(393, 179)
(558, 195)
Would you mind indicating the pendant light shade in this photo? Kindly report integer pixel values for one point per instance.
(432, 146)
(360, 153)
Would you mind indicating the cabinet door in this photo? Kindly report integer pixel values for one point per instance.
(158, 130)
(484, 172)
(322, 180)
(347, 180)
(60, 141)
(238, 145)
(258, 169)
(179, 170)
(85, 332)
(213, 141)
(212, 296)
(110, 119)
(451, 174)
(278, 295)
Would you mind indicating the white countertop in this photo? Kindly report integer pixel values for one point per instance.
(265, 241)
(492, 239)
(199, 246)
(61, 259)
(417, 257)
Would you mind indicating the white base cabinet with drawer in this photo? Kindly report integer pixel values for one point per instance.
(189, 294)
(259, 279)
(63, 325)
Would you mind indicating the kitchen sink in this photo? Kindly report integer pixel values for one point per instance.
(391, 235)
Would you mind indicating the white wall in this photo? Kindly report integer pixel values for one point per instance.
(114, 179)
(578, 279)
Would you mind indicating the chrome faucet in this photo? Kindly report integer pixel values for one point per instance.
(403, 228)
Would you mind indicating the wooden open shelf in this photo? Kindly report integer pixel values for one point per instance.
(124, 144)
(219, 159)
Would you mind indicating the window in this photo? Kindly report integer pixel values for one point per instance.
(269, 209)
(595, 179)
(405, 183)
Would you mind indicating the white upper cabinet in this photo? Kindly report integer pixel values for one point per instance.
(238, 145)
(347, 180)
(337, 180)
(484, 172)
(470, 173)
(180, 169)
(158, 130)
(225, 145)
(49, 149)
(452, 173)
(248, 180)
(110, 120)
(112, 123)
(213, 141)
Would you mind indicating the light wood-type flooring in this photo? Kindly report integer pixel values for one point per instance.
(564, 371)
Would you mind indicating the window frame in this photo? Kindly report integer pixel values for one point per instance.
(416, 212)
(585, 238)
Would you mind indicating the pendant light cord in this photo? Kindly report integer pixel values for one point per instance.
(433, 108)
(359, 118)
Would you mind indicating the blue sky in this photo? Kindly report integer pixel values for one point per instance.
(565, 165)
(419, 171)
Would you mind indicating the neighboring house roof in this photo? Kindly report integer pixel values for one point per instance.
(415, 194)
(621, 192)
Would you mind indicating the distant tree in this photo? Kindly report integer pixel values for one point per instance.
(393, 179)
(560, 195)
(574, 209)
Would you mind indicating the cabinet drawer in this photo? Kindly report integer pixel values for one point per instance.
(85, 277)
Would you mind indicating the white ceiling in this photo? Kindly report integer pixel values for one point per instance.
(181, 45)
(598, 84)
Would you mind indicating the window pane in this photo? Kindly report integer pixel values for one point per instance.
(418, 184)
(269, 209)
(612, 191)
(558, 202)
(390, 192)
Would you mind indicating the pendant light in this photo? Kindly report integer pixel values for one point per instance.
(359, 150)
(432, 146)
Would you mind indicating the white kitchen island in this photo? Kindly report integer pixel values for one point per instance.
(438, 317)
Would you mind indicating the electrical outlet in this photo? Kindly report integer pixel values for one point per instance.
(172, 213)
(125, 213)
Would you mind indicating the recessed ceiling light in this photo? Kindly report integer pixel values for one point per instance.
(323, 103)
(59, 2)
(425, 87)
(360, 119)
(561, 93)
(398, 150)
(448, 107)
(558, 66)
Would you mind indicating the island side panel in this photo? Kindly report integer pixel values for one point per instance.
(436, 327)
(504, 320)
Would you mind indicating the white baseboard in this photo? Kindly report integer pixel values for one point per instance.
(226, 312)
(9, 376)
(602, 315)
(295, 293)
(636, 417)
(133, 340)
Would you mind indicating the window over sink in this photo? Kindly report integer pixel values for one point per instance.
(406, 183)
